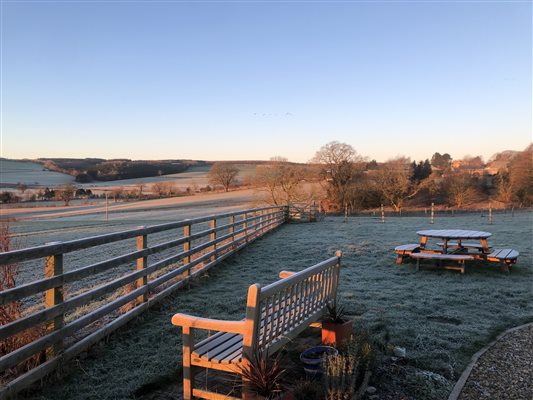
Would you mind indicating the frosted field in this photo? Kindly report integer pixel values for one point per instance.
(12, 172)
(440, 317)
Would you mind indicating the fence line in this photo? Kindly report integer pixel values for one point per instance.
(138, 291)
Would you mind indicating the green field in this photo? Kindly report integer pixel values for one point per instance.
(440, 317)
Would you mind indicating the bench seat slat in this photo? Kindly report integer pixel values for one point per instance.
(456, 244)
(407, 247)
(223, 358)
(216, 342)
(437, 256)
(504, 254)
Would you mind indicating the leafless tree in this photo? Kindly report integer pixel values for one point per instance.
(459, 188)
(140, 186)
(65, 193)
(159, 188)
(280, 179)
(521, 176)
(393, 180)
(223, 174)
(340, 163)
(117, 193)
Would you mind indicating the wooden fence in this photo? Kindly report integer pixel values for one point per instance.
(200, 244)
(305, 212)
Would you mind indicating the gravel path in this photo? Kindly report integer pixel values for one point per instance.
(504, 371)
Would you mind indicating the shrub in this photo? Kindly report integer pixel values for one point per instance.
(11, 312)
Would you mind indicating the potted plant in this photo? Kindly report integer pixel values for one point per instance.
(313, 359)
(262, 378)
(336, 329)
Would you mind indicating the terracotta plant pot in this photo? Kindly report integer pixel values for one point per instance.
(336, 334)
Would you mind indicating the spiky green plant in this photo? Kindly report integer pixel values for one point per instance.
(335, 314)
(263, 376)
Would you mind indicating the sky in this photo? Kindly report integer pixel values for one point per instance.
(235, 80)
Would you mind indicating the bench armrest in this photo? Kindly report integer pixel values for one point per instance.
(208, 323)
(286, 274)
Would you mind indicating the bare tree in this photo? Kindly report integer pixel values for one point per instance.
(459, 188)
(504, 186)
(159, 188)
(66, 193)
(140, 186)
(339, 165)
(223, 174)
(117, 193)
(280, 179)
(521, 176)
(394, 182)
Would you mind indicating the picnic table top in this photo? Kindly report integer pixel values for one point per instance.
(454, 234)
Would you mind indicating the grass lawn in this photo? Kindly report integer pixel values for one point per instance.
(440, 317)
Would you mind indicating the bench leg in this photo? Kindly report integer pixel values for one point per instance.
(399, 259)
(504, 267)
(188, 375)
(417, 264)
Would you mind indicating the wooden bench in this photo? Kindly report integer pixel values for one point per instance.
(275, 314)
(508, 257)
(465, 245)
(405, 250)
(459, 258)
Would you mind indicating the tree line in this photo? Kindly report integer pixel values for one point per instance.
(339, 177)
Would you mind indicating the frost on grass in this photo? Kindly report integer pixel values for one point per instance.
(440, 317)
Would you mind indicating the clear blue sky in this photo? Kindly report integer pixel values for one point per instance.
(250, 80)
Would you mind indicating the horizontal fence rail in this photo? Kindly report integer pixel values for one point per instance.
(65, 331)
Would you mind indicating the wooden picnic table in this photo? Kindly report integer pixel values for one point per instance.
(454, 239)
(455, 234)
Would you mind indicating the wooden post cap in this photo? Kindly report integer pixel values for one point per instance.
(338, 253)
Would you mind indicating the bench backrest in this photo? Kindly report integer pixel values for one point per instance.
(280, 311)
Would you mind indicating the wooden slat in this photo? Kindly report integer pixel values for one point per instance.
(213, 341)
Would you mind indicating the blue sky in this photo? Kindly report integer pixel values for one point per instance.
(250, 80)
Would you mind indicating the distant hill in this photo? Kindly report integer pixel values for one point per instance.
(97, 169)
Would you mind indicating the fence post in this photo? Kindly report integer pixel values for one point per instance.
(245, 226)
(345, 212)
(232, 228)
(490, 213)
(53, 297)
(261, 225)
(212, 237)
(142, 263)
(432, 213)
(382, 214)
(187, 247)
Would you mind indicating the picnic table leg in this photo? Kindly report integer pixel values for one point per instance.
(399, 259)
(423, 241)
(505, 267)
(417, 264)
(485, 246)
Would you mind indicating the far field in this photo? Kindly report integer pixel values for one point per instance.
(440, 317)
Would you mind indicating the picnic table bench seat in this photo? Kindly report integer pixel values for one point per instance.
(405, 250)
(275, 314)
(478, 246)
(459, 258)
(506, 256)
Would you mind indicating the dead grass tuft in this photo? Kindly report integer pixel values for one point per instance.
(13, 311)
